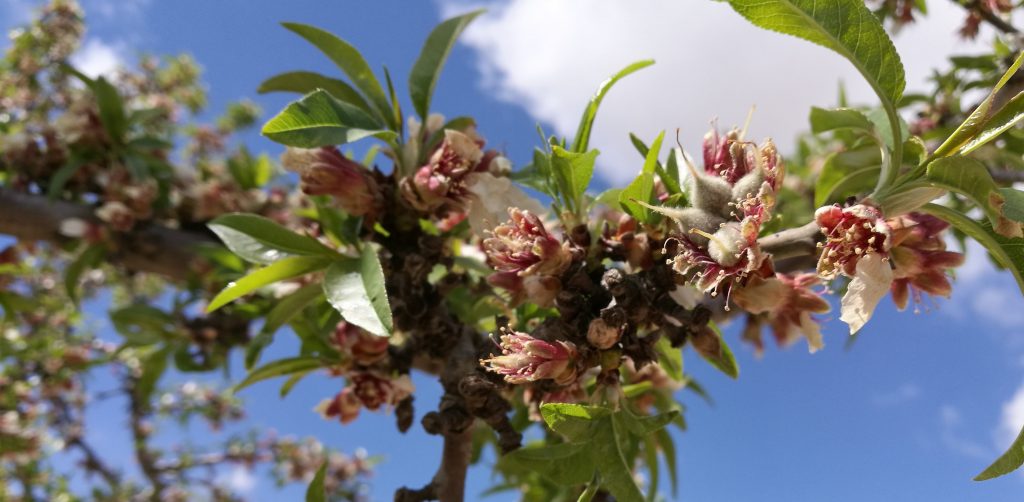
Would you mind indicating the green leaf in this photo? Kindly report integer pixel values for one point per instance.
(614, 464)
(564, 463)
(670, 359)
(1013, 207)
(153, 367)
(285, 268)
(574, 421)
(847, 27)
(318, 119)
(291, 382)
(976, 123)
(669, 175)
(724, 359)
(1008, 253)
(142, 324)
(1008, 462)
(281, 367)
(1008, 116)
(847, 173)
(316, 491)
(427, 69)
(111, 107)
(823, 120)
(89, 258)
(62, 176)
(283, 311)
(352, 63)
(573, 171)
(355, 287)
(305, 82)
(261, 240)
(581, 141)
(668, 449)
(642, 188)
(970, 178)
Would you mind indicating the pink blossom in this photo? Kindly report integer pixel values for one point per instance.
(325, 171)
(365, 348)
(919, 257)
(527, 359)
(527, 259)
(442, 181)
(850, 234)
(788, 303)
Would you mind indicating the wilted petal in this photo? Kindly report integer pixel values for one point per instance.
(870, 283)
(489, 200)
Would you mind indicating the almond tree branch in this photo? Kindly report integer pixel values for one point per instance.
(150, 248)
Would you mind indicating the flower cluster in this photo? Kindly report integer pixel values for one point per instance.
(919, 258)
(527, 359)
(731, 198)
(370, 382)
(787, 303)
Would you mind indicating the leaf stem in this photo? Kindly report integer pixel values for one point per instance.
(591, 490)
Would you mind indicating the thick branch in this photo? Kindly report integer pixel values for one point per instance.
(151, 248)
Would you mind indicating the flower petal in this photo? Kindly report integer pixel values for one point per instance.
(870, 283)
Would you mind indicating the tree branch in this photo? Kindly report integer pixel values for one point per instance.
(149, 248)
(976, 7)
(793, 242)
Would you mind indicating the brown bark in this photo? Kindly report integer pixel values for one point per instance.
(149, 248)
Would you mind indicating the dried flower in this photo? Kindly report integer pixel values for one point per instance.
(788, 301)
(527, 359)
(365, 348)
(919, 258)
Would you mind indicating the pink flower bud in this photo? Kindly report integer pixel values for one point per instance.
(527, 259)
(325, 171)
(442, 180)
(527, 359)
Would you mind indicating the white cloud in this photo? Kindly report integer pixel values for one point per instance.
(982, 291)
(97, 57)
(239, 480)
(950, 421)
(894, 397)
(1011, 421)
(550, 56)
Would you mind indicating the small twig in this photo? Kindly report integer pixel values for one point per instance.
(793, 242)
(976, 7)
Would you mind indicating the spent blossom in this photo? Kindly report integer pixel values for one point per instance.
(367, 389)
(527, 359)
(788, 302)
(442, 181)
(857, 243)
(919, 258)
(364, 348)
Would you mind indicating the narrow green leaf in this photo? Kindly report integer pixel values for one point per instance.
(847, 173)
(261, 240)
(62, 176)
(351, 62)
(427, 69)
(613, 463)
(668, 449)
(724, 360)
(291, 382)
(316, 491)
(142, 324)
(823, 120)
(670, 358)
(568, 464)
(847, 27)
(1008, 253)
(574, 421)
(283, 311)
(285, 268)
(573, 170)
(89, 258)
(971, 178)
(153, 367)
(355, 287)
(305, 82)
(318, 119)
(108, 100)
(1013, 207)
(1008, 462)
(642, 188)
(651, 461)
(1008, 116)
(281, 367)
(976, 122)
(581, 142)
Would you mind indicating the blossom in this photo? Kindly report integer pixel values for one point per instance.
(527, 259)
(442, 181)
(850, 234)
(788, 303)
(325, 171)
(489, 198)
(919, 258)
(857, 243)
(365, 348)
(527, 359)
(367, 389)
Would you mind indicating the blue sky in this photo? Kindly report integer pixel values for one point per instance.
(919, 405)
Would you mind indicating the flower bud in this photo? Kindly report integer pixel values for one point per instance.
(325, 171)
(527, 359)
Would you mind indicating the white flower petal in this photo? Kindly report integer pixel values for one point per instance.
(812, 331)
(870, 283)
(490, 199)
